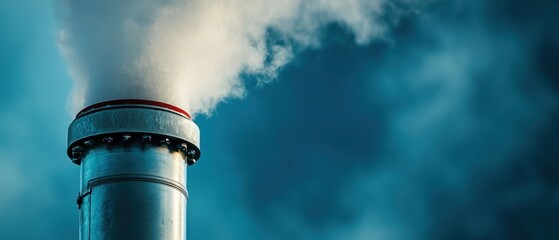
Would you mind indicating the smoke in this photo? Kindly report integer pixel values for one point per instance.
(195, 54)
(447, 132)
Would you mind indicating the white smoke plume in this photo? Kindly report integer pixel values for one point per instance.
(193, 53)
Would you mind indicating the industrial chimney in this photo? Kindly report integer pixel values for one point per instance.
(132, 156)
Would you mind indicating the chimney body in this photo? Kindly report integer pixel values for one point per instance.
(133, 156)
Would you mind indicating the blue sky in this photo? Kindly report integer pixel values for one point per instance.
(444, 129)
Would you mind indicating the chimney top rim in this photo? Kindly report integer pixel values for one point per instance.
(124, 102)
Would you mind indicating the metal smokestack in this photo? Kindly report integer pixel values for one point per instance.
(133, 156)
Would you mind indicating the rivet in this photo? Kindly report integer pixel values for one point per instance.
(190, 161)
(76, 160)
(76, 151)
(108, 140)
(89, 142)
(126, 138)
(165, 141)
(183, 147)
(191, 153)
(146, 138)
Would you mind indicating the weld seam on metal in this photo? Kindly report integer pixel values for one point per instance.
(137, 178)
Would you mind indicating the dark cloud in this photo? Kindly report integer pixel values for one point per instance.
(446, 130)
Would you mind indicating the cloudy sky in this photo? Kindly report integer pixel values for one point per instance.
(442, 126)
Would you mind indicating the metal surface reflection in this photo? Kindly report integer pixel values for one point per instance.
(133, 160)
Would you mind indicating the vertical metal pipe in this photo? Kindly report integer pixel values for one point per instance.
(133, 161)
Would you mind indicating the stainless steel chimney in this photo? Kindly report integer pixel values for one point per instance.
(133, 156)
